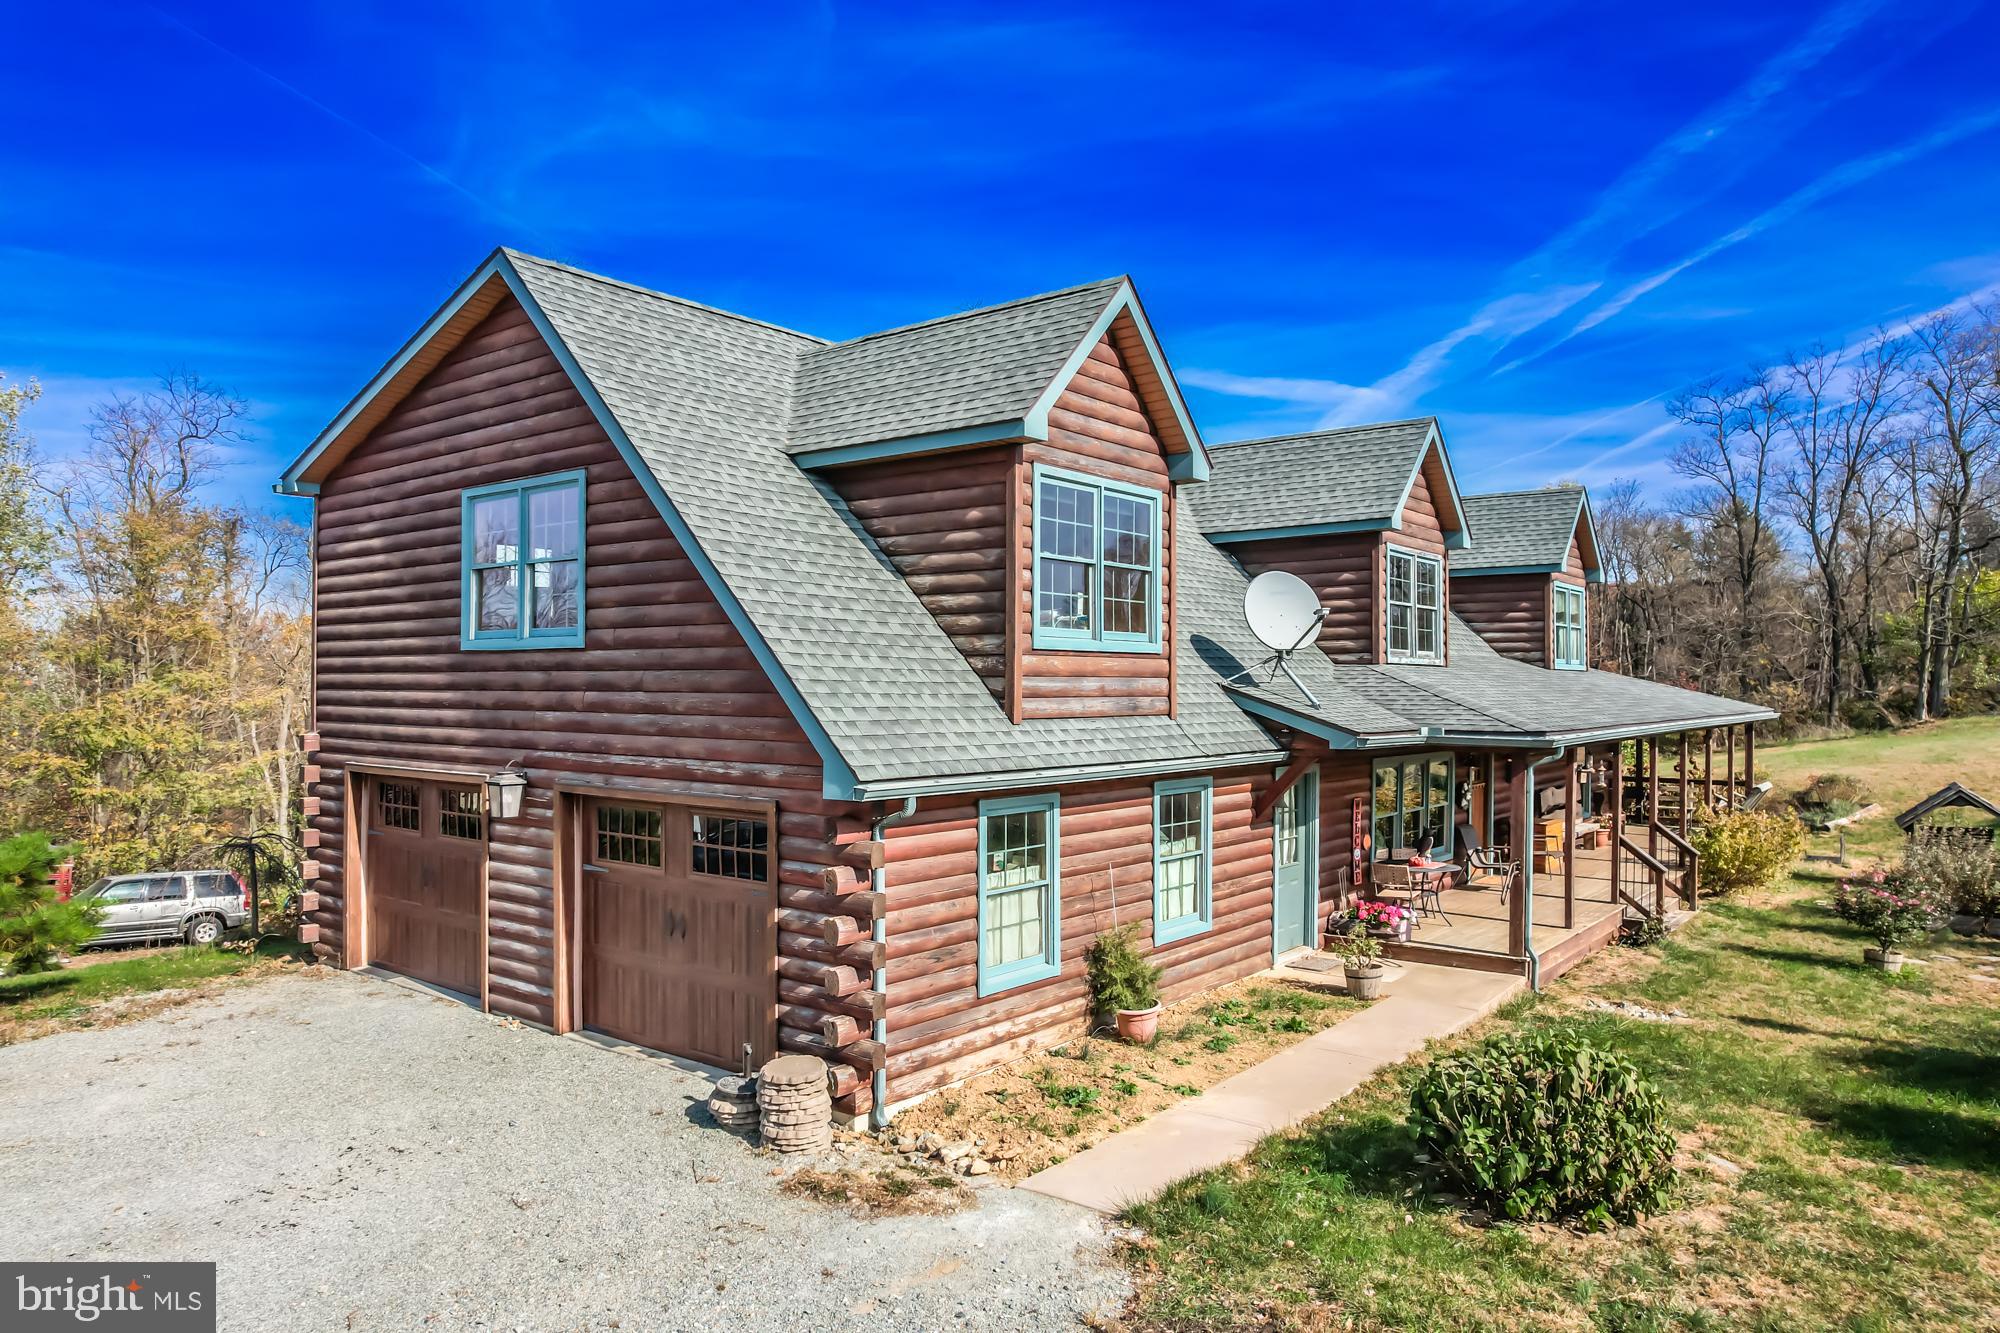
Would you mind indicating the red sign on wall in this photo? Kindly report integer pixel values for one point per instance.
(1357, 846)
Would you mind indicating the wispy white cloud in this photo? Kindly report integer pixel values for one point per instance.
(1843, 177)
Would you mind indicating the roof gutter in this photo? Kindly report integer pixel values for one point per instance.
(1529, 740)
(1338, 738)
(897, 788)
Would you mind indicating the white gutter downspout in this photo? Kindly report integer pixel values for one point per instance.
(878, 882)
(1528, 870)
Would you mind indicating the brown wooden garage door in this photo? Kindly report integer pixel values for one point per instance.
(678, 943)
(426, 861)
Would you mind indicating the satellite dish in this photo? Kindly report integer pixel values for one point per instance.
(1282, 609)
(1284, 613)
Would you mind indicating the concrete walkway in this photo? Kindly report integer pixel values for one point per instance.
(1225, 1122)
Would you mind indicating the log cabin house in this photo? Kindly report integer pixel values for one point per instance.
(727, 691)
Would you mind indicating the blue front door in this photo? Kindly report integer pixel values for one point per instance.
(1295, 897)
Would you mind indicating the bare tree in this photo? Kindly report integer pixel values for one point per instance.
(1949, 465)
(1728, 454)
(1834, 417)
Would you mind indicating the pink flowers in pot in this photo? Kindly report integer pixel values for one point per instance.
(1385, 916)
(1891, 911)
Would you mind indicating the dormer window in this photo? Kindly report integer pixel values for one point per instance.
(1415, 606)
(1097, 564)
(523, 563)
(1569, 625)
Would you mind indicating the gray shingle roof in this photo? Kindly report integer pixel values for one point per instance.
(703, 397)
(1481, 692)
(1519, 529)
(707, 401)
(973, 369)
(1354, 475)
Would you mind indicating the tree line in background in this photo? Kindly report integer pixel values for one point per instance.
(1836, 554)
(153, 639)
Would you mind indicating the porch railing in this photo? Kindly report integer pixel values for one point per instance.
(1684, 862)
(1642, 879)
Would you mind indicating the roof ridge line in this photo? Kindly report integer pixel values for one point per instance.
(1532, 490)
(1315, 434)
(610, 281)
(976, 311)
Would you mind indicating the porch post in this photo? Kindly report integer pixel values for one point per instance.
(1729, 753)
(1517, 915)
(1653, 798)
(1684, 784)
(1492, 797)
(1749, 754)
(1569, 846)
(1708, 769)
(1617, 816)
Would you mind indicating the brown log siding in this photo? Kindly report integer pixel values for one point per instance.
(1344, 570)
(665, 690)
(941, 1030)
(1098, 426)
(1510, 611)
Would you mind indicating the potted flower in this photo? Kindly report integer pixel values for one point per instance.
(1361, 954)
(1387, 921)
(1122, 982)
(1891, 910)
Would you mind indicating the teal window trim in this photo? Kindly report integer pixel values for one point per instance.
(1569, 608)
(1094, 637)
(1399, 830)
(1167, 929)
(524, 634)
(994, 978)
(1418, 611)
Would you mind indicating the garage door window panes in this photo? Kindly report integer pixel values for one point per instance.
(629, 835)
(397, 802)
(1018, 892)
(461, 813)
(731, 848)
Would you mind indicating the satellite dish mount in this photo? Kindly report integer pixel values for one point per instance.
(1284, 613)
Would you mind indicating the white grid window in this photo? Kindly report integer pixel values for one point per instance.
(1415, 607)
(1569, 626)
(1017, 892)
(1097, 564)
(1181, 904)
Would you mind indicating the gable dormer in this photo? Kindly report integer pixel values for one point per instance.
(1523, 583)
(1368, 515)
(1019, 473)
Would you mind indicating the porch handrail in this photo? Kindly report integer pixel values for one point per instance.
(1690, 867)
(1656, 872)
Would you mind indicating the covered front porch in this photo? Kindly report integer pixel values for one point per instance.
(1551, 853)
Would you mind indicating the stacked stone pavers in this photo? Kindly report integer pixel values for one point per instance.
(795, 1104)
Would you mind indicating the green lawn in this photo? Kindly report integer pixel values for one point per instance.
(1856, 1117)
(77, 996)
(1898, 768)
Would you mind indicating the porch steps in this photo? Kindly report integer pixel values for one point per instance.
(1444, 955)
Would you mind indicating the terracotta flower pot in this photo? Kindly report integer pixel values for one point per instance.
(1139, 1026)
(1889, 960)
(1365, 981)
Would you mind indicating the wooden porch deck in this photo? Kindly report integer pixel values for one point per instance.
(1476, 935)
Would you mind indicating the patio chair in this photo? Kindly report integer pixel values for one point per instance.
(1390, 883)
(1486, 865)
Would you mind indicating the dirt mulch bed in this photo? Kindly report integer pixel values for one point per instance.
(1035, 1112)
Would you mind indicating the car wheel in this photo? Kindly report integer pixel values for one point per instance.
(204, 930)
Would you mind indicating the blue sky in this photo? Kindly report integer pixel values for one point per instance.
(1535, 222)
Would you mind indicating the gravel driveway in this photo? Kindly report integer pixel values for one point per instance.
(358, 1155)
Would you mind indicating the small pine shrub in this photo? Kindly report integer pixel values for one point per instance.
(34, 925)
(1120, 977)
(1541, 1126)
(1746, 849)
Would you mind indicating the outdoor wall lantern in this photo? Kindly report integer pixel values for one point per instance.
(503, 793)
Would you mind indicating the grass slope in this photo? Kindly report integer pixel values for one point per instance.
(101, 989)
(1840, 1131)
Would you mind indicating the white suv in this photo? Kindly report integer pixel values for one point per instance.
(193, 905)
